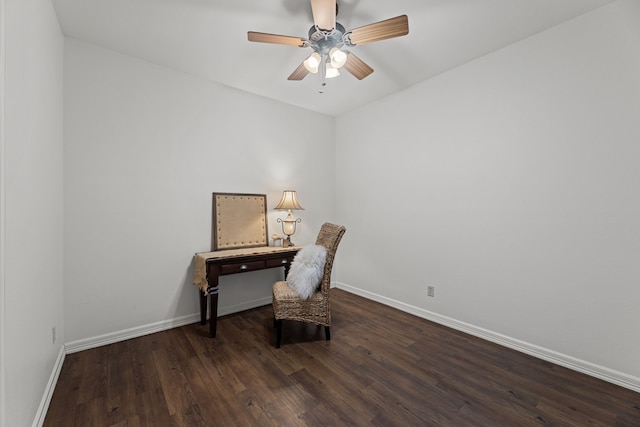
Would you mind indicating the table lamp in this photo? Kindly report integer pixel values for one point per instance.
(289, 201)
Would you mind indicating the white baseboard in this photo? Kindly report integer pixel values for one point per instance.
(138, 331)
(601, 372)
(48, 391)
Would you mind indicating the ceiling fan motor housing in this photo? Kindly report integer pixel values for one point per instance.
(322, 41)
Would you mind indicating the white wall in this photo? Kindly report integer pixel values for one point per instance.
(145, 147)
(511, 185)
(33, 207)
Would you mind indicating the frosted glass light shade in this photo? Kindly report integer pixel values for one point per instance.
(312, 62)
(338, 57)
(331, 71)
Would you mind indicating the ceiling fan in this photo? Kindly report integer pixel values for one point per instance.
(328, 40)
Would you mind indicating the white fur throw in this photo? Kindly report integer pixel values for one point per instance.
(307, 270)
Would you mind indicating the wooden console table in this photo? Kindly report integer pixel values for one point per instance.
(209, 266)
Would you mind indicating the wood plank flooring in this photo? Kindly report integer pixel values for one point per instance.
(382, 367)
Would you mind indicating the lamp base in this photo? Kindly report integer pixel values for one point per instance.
(288, 228)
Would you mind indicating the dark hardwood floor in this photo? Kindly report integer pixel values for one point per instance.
(382, 367)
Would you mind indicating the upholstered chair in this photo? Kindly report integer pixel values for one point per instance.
(287, 304)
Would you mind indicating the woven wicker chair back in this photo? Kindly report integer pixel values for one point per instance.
(329, 237)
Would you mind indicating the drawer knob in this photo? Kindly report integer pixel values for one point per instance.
(243, 267)
(284, 261)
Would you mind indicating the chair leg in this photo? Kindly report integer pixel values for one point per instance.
(278, 332)
(327, 332)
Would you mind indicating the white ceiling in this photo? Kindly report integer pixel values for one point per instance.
(208, 38)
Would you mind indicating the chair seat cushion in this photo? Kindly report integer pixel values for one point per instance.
(282, 292)
(307, 269)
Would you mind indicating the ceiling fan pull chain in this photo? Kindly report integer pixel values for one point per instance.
(323, 73)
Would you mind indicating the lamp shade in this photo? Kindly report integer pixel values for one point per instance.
(289, 201)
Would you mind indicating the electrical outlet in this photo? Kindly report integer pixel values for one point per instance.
(431, 291)
(53, 334)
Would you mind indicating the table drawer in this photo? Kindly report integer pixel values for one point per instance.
(277, 262)
(241, 267)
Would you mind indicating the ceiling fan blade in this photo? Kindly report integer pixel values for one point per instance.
(357, 67)
(299, 73)
(324, 14)
(275, 38)
(387, 29)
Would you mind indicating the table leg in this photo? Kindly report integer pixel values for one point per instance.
(286, 268)
(213, 317)
(213, 272)
(203, 308)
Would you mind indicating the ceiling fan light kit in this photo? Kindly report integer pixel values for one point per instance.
(328, 40)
